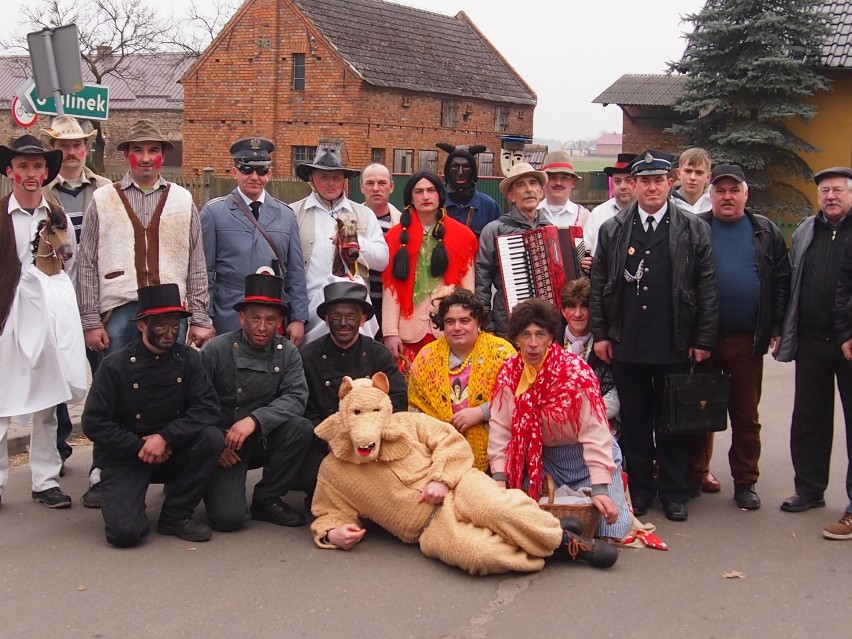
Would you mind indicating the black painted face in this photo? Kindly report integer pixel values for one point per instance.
(344, 320)
(161, 331)
(460, 172)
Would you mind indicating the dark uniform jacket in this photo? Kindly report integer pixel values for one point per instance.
(692, 296)
(136, 392)
(773, 273)
(326, 364)
(267, 384)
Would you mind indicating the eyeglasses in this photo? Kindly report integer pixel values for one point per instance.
(833, 190)
(245, 169)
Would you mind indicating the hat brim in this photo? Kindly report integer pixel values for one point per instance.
(182, 312)
(53, 158)
(834, 171)
(364, 304)
(616, 170)
(303, 171)
(507, 183)
(48, 137)
(651, 172)
(167, 146)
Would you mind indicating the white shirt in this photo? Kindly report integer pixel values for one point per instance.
(658, 216)
(562, 216)
(600, 214)
(701, 205)
(261, 198)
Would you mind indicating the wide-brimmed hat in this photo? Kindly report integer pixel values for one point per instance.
(326, 159)
(145, 131)
(834, 171)
(559, 161)
(160, 299)
(518, 171)
(349, 292)
(652, 162)
(263, 288)
(622, 164)
(64, 127)
(30, 145)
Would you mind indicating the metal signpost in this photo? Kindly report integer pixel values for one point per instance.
(55, 57)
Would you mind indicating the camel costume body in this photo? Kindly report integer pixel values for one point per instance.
(380, 462)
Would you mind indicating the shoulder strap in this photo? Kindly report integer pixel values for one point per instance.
(241, 205)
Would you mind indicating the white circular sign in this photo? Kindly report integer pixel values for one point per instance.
(21, 115)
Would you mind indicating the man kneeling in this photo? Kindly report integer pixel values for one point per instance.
(262, 391)
(147, 413)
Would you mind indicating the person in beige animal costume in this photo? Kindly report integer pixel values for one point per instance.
(413, 475)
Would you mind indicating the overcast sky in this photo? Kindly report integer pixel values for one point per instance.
(568, 51)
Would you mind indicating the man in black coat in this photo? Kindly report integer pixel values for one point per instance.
(151, 413)
(653, 308)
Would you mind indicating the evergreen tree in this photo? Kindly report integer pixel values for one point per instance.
(749, 68)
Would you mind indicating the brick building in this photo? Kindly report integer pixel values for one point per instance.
(145, 86)
(383, 81)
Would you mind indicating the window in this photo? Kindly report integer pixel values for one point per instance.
(486, 164)
(450, 114)
(501, 118)
(302, 154)
(377, 156)
(403, 161)
(429, 161)
(298, 72)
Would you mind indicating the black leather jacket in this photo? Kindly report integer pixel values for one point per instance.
(773, 273)
(694, 301)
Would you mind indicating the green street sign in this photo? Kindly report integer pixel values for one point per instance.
(92, 103)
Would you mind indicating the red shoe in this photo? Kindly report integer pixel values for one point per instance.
(710, 484)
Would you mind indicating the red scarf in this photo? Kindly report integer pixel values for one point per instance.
(461, 247)
(555, 398)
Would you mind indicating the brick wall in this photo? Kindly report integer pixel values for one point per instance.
(645, 130)
(243, 87)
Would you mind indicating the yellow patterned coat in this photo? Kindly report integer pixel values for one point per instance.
(380, 462)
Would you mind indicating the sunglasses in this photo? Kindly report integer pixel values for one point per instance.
(245, 169)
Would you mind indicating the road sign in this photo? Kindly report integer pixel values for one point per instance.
(55, 57)
(21, 113)
(92, 103)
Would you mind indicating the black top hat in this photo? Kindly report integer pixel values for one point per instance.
(263, 288)
(622, 164)
(652, 162)
(252, 151)
(326, 159)
(349, 292)
(834, 171)
(31, 145)
(727, 170)
(160, 299)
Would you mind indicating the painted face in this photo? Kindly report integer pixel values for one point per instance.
(577, 316)
(652, 191)
(73, 155)
(508, 159)
(693, 180)
(728, 198)
(460, 329)
(377, 186)
(559, 186)
(533, 343)
(252, 184)
(260, 324)
(328, 184)
(460, 171)
(525, 193)
(28, 172)
(425, 197)
(344, 320)
(834, 195)
(144, 159)
(159, 332)
(623, 187)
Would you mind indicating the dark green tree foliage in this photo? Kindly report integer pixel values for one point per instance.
(749, 67)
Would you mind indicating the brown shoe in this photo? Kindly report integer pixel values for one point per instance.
(710, 484)
(841, 530)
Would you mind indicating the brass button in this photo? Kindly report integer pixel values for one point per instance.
(133, 359)
(239, 390)
(644, 308)
(236, 344)
(644, 288)
(280, 346)
(647, 252)
(324, 356)
(327, 383)
(179, 380)
(277, 370)
(138, 416)
(647, 269)
(135, 385)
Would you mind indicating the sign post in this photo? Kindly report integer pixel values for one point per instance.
(55, 58)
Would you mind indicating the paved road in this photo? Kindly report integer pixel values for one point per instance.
(60, 579)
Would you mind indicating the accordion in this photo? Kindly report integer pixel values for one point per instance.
(538, 263)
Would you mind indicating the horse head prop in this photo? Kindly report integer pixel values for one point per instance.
(346, 247)
(51, 246)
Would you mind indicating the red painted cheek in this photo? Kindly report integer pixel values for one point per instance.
(133, 161)
(19, 179)
(158, 162)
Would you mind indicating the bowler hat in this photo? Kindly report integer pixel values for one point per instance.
(263, 288)
(30, 145)
(326, 159)
(519, 170)
(252, 151)
(349, 292)
(160, 299)
(652, 162)
(145, 131)
(559, 161)
(834, 171)
(622, 164)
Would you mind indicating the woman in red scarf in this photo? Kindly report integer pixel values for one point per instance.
(547, 416)
(430, 254)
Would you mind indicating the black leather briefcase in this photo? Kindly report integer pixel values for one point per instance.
(695, 402)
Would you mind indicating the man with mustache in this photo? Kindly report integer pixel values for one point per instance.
(561, 180)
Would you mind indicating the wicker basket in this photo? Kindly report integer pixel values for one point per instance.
(588, 514)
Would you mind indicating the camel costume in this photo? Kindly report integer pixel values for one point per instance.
(380, 462)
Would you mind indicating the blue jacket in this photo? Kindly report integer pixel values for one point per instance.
(481, 208)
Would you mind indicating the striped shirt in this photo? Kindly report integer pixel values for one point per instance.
(143, 204)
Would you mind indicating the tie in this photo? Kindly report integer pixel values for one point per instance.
(650, 227)
(255, 209)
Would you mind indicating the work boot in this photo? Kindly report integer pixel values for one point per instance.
(186, 529)
(571, 524)
(92, 497)
(594, 552)
(746, 497)
(277, 513)
(52, 498)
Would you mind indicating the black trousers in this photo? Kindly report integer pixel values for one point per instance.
(124, 484)
(818, 364)
(640, 391)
